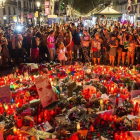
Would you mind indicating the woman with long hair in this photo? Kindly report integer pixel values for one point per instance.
(35, 48)
(68, 44)
(131, 49)
(123, 36)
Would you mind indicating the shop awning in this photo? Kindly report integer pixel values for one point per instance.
(108, 12)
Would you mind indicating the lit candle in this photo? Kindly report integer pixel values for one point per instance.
(101, 102)
(6, 107)
(20, 137)
(112, 90)
(138, 138)
(115, 118)
(18, 131)
(78, 126)
(39, 119)
(116, 136)
(126, 135)
(15, 130)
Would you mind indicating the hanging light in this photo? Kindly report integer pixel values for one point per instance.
(2, 3)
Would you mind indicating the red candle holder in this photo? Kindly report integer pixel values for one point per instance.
(19, 122)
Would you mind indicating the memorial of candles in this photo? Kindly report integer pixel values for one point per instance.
(90, 103)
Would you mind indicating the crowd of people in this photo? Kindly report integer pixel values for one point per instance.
(117, 44)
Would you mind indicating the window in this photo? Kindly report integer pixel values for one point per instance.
(19, 5)
(14, 11)
(4, 13)
(24, 4)
(9, 11)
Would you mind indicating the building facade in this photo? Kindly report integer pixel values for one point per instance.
(134, 14)
(19, 11)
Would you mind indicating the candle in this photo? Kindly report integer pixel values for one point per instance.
(116, 136)
(39, 119)
(15, 130)
(20, 137)
(138, 138)
(101, 102)
(19, 122)
(6, 107)
(92, 128)
(78, 126)
(18, 131)
(115, 118)
(126, 135)
(112, 90)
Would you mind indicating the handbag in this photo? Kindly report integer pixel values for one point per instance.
(94, 49)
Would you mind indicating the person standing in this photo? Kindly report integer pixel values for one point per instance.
(138, 50)
(113, 43)
(131, 49)
(17, 47)
(77, 43)
(28, 42)
(123, 37)
(5, 51)
(68, 44)
(35, 48)
(105, 36)
(51, 45)
(86, 39)
(96, 48)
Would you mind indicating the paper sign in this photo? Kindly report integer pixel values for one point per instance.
(33, 66)
(25, 129)
(47, 126)
(5, 95)
(40, 134)
(62, 119)
(135, 134)
(47, 7)
(44, 88)
(135, 93)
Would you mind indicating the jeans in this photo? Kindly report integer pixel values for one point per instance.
(52, 53)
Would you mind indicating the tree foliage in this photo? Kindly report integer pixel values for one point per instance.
(83, 6)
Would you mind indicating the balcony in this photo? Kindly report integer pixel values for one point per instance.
(25, 9)
(9, 2)
(31, 10)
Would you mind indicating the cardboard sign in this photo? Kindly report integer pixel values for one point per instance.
(5, 95)
(40, 134)
(44, 88)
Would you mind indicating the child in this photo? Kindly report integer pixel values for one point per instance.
(61, 53)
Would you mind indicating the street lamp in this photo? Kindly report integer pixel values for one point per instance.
(38, 6)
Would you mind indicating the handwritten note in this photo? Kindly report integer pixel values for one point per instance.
(44, 88)
(40, 134)
(5, 95)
